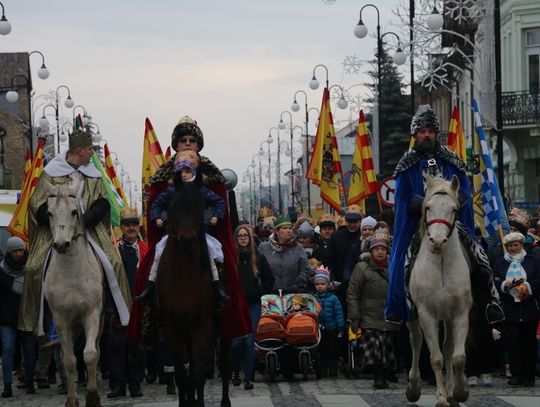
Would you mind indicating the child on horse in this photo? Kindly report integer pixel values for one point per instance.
(185, 168)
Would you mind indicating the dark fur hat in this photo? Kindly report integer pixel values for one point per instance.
(186, 126)
(424, 118)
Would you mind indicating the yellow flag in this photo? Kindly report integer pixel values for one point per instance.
(456, 138)
(325, 165)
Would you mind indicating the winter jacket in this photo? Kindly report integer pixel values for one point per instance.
(9, 301)
(338, 250)
(366, 296)
(526, 310)
(289, 266)
(254, 286)
(331, 315)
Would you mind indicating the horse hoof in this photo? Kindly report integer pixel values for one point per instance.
(453, 402)
(72, 403)
(92, 399)
(413, 392)
(442, 403)
(461, 395)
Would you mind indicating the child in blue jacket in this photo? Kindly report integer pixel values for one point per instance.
(332, 322)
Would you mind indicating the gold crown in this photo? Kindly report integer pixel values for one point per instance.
(187, 120)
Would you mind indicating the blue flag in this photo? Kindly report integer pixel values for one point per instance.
(489, 211)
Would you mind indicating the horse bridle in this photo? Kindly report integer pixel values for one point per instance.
(451, 226)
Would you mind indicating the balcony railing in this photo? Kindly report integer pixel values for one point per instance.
(520, 108)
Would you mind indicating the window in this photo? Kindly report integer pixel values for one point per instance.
(532, 37)
(534, 73)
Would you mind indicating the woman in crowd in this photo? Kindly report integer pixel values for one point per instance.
(517, 277)
(366, 298)
(287, 259)
(255, 279)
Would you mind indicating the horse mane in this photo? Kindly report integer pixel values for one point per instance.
(436, 186)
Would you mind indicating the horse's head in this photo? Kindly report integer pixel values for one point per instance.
(185, 212)
(64, 216)
(440, 210)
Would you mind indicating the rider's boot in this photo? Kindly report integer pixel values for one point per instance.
(219, 291)
(148, 293)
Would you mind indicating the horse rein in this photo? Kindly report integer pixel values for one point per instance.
(451, 226)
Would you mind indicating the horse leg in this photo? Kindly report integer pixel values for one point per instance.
(92, 324)
(448, 351)
(68, 358)
(180, 377)
(414, 386)
(430, 327)
(460, 330)
(225, 364)
(199, 376)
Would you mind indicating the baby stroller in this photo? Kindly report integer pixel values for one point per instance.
(279, 327)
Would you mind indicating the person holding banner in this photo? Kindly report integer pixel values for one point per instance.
(429, 158)
(75, 164)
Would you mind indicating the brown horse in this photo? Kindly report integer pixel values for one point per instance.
(185, 302)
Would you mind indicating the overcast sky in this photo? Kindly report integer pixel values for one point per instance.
(233, 65)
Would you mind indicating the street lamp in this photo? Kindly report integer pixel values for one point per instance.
(5, 25)
(342, 102)
(269, 140)
(85, 118)
(278, 169)
(295, 107)
(435, 20)
(42, 72)
(282, 126)
(360, 31)
(314, 83)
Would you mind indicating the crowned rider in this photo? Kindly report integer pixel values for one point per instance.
(429, 158)
(188, 137)
(73, 166)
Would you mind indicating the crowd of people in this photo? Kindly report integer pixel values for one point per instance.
(353, 263)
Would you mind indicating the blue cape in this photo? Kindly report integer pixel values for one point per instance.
(409, 183)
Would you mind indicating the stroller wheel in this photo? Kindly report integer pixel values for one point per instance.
(272, 366)
(304, 365)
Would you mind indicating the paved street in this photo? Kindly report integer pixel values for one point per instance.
(322, 393)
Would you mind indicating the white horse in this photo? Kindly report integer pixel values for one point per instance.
(73, 287)
(440, 289)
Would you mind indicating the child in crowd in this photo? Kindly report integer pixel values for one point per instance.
(299, 303)
(185, 168)
(332, 323)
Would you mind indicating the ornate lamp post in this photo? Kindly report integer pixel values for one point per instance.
(360, 31)
(278, 168)
(5, 25)
(282, 126)
(314, 83)
(269, 140)
(42, 72)
(68, 103)
(295, 107)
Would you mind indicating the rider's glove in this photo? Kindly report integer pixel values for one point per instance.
(96, 212)
(42, 214)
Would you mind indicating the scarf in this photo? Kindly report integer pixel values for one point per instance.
(16, 270)
(515, 271)
(280, 247)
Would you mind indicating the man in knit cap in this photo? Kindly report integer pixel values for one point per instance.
(429, 158)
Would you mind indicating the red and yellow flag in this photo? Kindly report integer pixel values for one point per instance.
(153, 158)
(363, 178)
(19, 222)
(111, 172)
(456, 138)
(27, 165)
(168, 153)
(325, 164)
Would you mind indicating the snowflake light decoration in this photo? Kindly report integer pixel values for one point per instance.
(463, 10)
(351, 64)
(435, 77)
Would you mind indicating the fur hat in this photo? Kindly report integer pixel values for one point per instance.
(128, 215)
(368, 221)
(305, 229)
(14, 243)
(424, 118)
(300, 300)
(79, 138)
(187, 126)
(513, 237)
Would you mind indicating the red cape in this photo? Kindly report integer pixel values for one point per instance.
(236, 319)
